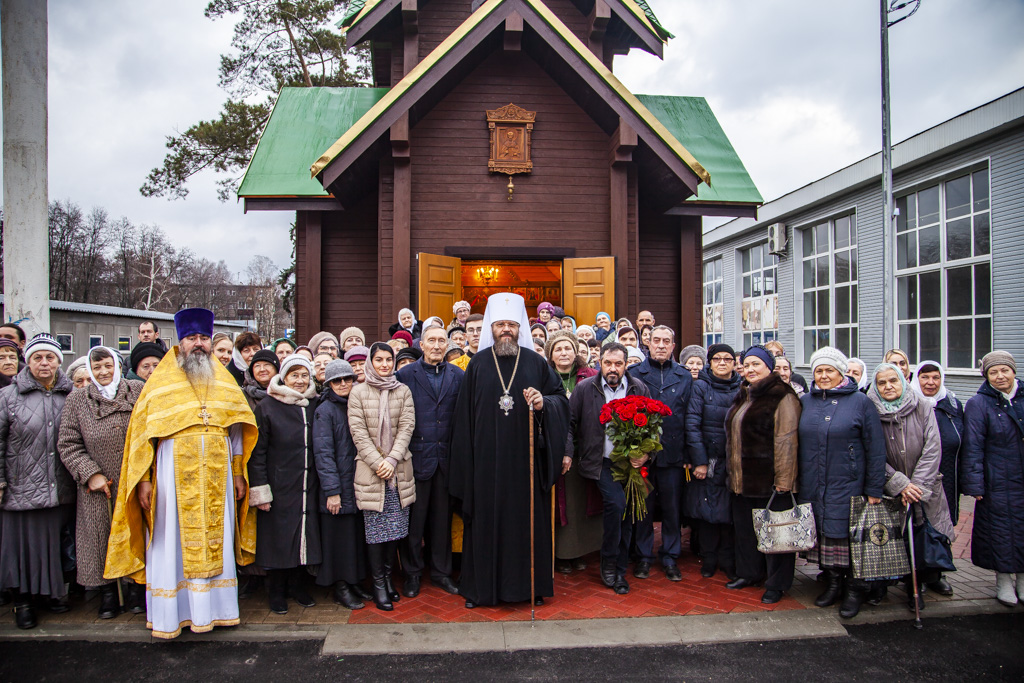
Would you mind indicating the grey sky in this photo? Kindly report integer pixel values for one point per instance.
(795, 86)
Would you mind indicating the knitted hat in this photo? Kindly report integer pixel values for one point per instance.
(545, 306)
(266, 356)
(460, 304)
(453, 346)
(561, 335)
(76, 365)
(634, 352)
(558, 312)
(352, 332)
(338, 369)
(716, 349)
(319, 338)
(829, 355)
(410, 353)
(989, 361)
(42, 342)
(758, 351)
(404, 336)
(282, 340)
(693, 351)
(356, 353)
(295, 360)
(142, 351)
(587, 328)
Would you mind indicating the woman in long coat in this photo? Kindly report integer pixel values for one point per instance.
(284, 484)
(992, 470)
(761, 447)
(36, 491)
(579, 528)
(382, 418)
(93, 426)
(913, 452)
(842, 455)
(707, 496)
(342, 532)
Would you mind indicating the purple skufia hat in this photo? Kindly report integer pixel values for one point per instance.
(191, 321)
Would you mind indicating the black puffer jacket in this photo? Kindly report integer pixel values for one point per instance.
(29, 463)
(949, 414)
(708, 499)
(334, 452)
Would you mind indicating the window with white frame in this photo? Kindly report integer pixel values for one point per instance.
(829, 277)
(944, 271)
(713, 324)
(760, 306)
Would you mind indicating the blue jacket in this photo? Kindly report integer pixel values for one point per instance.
(949, 414)
(334, 452)
(992, 465)
(671, 384)
(842, 455)
(708, 499)
(431, 440)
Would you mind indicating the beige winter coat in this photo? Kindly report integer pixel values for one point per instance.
(363, 411)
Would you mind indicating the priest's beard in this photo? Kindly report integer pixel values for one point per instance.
(198, 367)
(506, 346)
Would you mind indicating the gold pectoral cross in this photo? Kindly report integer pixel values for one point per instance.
(205, 416)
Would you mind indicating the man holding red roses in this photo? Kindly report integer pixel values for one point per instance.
(670, 383)
(589, 449)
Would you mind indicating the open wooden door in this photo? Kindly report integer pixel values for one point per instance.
(440, 285)
(588, 287)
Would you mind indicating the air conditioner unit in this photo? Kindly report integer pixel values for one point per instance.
(777, 239)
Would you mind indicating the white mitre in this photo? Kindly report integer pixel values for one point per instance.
(506, 306)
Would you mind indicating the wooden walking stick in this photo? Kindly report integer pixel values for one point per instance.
(110, 519)
(533, 585)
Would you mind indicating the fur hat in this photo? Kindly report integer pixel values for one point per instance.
(693, 351)
(561, 335)
(144, 350)
(989, 361)
(829, 355)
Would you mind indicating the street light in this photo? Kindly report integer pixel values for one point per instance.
(888, 327)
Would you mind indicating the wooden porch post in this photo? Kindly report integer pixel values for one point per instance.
(314, 263)
(401, 250)
(623, 142)
(691, 257)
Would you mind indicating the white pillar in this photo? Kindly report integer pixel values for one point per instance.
(26, 235)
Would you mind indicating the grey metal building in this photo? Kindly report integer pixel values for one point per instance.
(808, 270)
(80, 327)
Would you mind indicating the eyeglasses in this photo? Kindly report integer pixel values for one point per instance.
(722, 359)
(328, 347)
(344, 380)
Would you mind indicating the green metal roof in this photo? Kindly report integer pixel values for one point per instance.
(304, 122)
(654, 20)
(692, 122)
(354, 8)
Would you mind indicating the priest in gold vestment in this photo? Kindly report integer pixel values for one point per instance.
(182, 522)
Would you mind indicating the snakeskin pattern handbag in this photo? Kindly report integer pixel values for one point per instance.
(786, 531)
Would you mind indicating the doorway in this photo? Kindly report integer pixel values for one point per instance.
(535, 281)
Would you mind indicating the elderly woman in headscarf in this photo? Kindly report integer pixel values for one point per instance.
(602, 326)
(406, 321)
(930, 382)
(692, 358)
(569, 323)
(841, 456)
(284, 484)
(10, 361)
(382, 418)
(913, 455)
(579, 529)
(858, 370)
(992, 470)
(93, 427)
(585, 333)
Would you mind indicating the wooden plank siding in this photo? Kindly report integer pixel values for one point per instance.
(349, 293)
(659, 270)
(457, 203)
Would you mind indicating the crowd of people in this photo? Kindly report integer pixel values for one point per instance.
(173, 481)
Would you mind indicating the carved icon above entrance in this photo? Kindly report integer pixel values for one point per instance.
(511, 130)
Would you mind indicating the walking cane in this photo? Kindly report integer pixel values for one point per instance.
(110, 519)
(913, 565)
(533, 585)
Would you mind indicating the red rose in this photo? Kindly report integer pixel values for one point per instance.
(640, 420)
(606, 415)
(643, 472)
(627, 413)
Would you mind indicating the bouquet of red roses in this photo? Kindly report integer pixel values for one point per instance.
(634, 426)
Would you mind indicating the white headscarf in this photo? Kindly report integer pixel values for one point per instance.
(108, 392)
(506, 306)
(915, 383)
(862, 383)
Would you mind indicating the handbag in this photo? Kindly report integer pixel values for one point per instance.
(877, 550)
(932, 548)
(785, 531)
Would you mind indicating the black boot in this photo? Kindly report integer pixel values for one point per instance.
(853, 598)
(375, 551)
(389, 556)
(833, 588)
(360, 592)
(297, 587)
(277, 590)
(877, 592)
(24, 612)
(344, 596)
(109, 606)
(134, 596)
(609, 572)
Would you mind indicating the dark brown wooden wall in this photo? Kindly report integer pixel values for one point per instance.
(660, 278)
(457, 203)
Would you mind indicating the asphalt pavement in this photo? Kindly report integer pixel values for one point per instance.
(984, 647)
